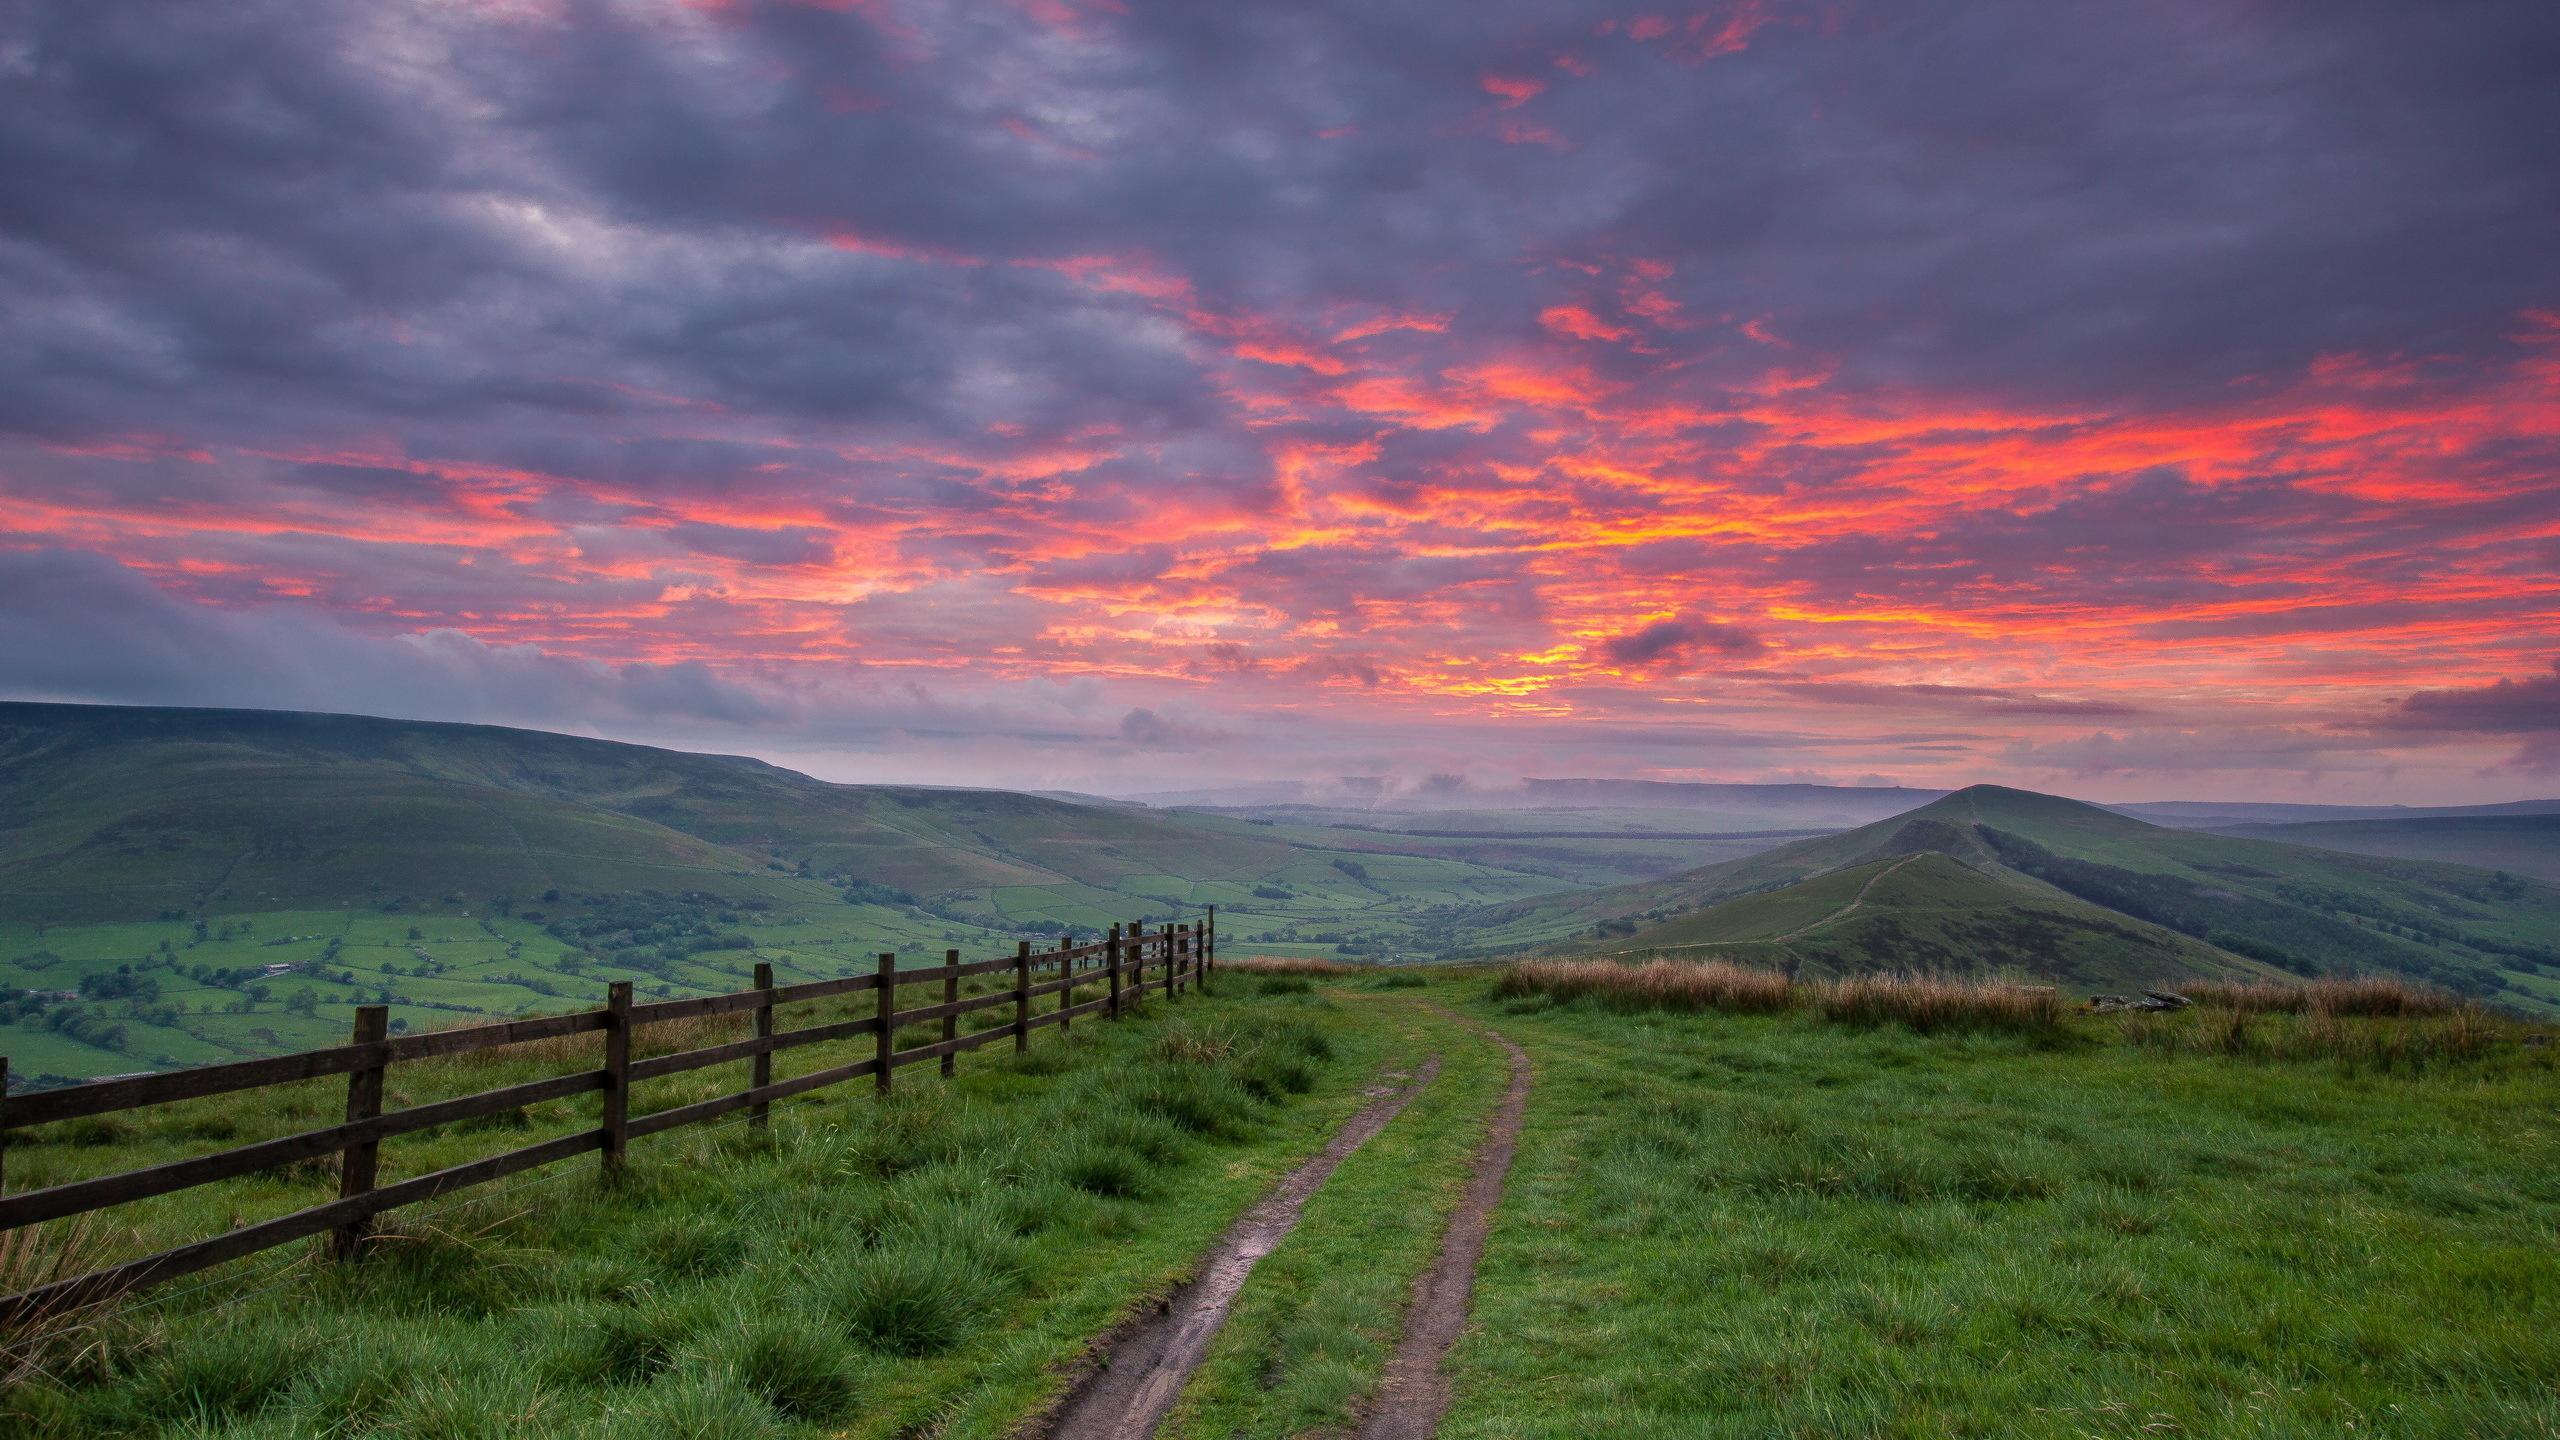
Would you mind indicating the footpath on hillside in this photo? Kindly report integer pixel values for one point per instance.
(1143, 1372)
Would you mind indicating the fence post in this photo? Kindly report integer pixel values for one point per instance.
(1133, 942)
(760, 1068)
(617, 1076)
(887, 1039)
(1022, 997)
(357, 1164)
(1110, 949)
(1067, 981)
(950, 1023)
(4, 1116)
(1172, 962)
(1208, 946)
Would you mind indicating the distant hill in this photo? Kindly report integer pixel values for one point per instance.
(112, 812)
(1994, 878)
(1549, 808)
(2520, 842)
(182, 886)
(115, 811)
(2215, 814)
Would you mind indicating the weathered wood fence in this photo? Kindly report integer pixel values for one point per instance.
(1128, 961)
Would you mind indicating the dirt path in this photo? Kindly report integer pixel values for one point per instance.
(1414, 1393)
(1843, 913)
(1146, 1367)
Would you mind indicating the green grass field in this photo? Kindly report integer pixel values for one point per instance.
(1716, 1225)
(1752, 1226)
(871, 1267)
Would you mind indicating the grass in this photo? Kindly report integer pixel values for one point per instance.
(1921, 1002)
(1770, 1224)
(1928, 1003)
(871, 1267)
(1303, 967)
(1897, 1208)
(2368, 995)
(1303, 1349)
(1654, 985)
(55, 1339)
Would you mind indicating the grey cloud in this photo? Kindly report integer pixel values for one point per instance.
(2525, 709)
(80, 627)
(1148, 730)
(2510, 706)
(1680, 641)
(1956, 697)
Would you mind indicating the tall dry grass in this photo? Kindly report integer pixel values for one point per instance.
(1654, 985)
(57, 1340)
(2368, 996)
(1922, 1002)
(2411, 1043)
(1309, 966)
(586, 1052)
(1932, 1002)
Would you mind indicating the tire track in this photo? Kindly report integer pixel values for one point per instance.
(1144, 1369)
(1414, 1393)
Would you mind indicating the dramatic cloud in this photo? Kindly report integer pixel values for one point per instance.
(2527, 710)
(1671, 642)
(1128, 394)
(2507, 707)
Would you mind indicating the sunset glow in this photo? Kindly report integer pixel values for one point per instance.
(909, 391)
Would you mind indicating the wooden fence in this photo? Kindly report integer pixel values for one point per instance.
(1127, 961)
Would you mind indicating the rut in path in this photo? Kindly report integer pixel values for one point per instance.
(1146, 1368)
(1414, 1394)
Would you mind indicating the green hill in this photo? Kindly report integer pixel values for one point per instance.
(125, 813)
(2084, 896)
(1931, 911)
(181, 886)
(2519, 844)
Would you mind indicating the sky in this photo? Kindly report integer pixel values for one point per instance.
(2133, 401)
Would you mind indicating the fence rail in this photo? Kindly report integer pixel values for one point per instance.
(1131, 961)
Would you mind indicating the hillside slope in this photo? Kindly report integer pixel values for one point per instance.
(121, 813)
(185, 886)
(2080, 894)
(2521, 844)
(1931, 911)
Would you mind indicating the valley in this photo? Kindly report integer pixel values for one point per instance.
(184, 886)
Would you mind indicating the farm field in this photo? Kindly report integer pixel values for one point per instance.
(106, 999)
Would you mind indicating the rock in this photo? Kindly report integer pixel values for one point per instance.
(2147, 1000)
